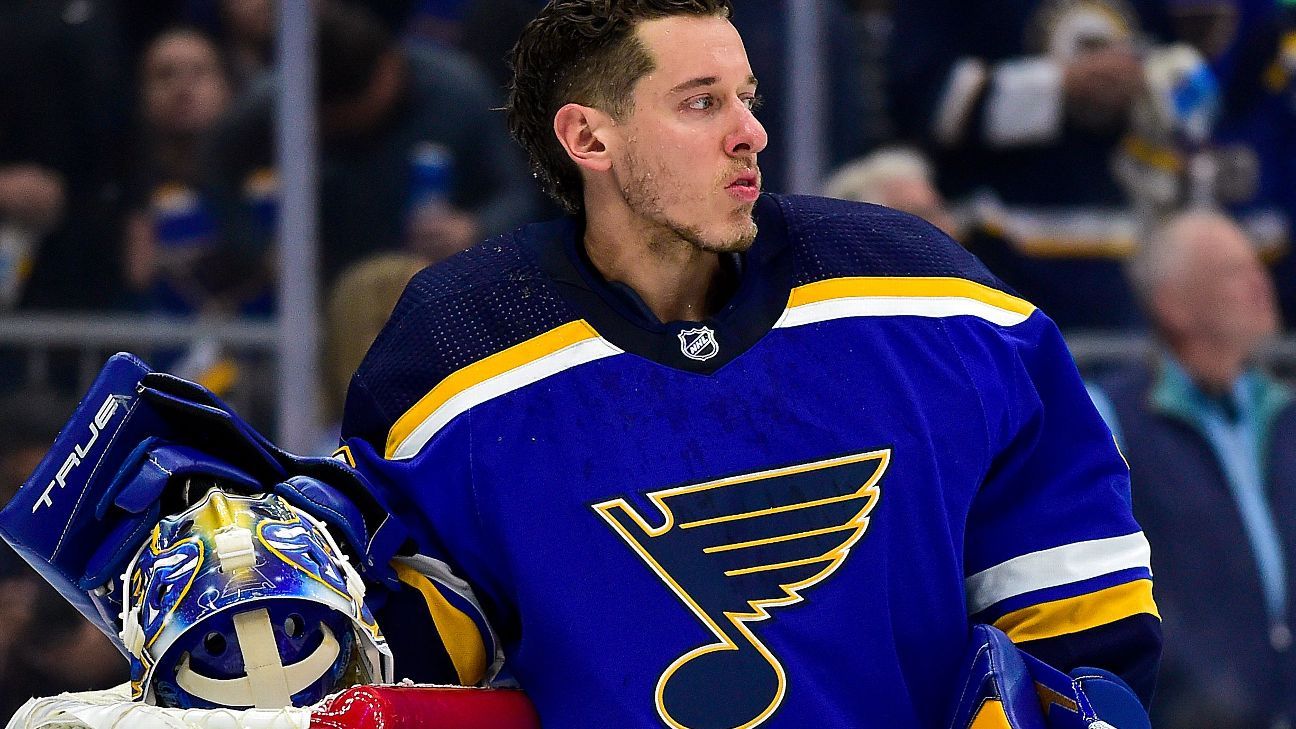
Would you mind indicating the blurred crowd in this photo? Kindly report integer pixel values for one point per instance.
(1127, 165)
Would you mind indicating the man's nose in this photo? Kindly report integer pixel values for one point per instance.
(748, 137)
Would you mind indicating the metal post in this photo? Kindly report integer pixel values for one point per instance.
(297, 239)
(804, 113)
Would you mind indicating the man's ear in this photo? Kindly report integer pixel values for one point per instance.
(580, 130)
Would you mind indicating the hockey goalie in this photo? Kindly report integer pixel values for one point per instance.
(204, 553)
(246, 588)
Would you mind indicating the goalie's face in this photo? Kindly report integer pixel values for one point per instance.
(684, 157)
(246, 602)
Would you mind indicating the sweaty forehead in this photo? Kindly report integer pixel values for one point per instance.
(688, 47)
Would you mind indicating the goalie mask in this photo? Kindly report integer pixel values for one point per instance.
(244, 601)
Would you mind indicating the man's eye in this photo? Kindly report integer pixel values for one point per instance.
(701, 103)
(754, 102)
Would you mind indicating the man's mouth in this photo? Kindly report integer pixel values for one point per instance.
(745, 186)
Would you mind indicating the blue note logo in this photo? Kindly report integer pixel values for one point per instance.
(733, 549)
(699, 344)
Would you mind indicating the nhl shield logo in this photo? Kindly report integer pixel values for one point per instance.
(699, 344)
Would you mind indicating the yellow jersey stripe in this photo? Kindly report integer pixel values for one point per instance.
(458, 632)
(522, 364)
(1074, 614)
(832, 299)
(991, 715)
(840, 288)
(917, 296)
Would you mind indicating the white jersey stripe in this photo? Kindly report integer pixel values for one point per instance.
(1056, 567)
(576, 354)
(924, 306)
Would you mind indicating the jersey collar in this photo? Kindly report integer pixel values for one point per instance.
(622, 318)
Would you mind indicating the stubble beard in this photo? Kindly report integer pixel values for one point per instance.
(643, 194)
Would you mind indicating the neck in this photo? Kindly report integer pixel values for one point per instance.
(1212, 366)
(674, 278)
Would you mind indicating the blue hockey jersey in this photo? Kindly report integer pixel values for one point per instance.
(786, 515)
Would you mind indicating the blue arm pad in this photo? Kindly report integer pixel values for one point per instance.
(136, 437)
(1006, 688)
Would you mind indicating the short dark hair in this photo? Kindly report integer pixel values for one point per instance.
(583, 52)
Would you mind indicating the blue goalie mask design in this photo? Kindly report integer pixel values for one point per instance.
(246, 601)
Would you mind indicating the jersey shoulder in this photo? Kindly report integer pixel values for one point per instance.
(842, 239)
(452, 314)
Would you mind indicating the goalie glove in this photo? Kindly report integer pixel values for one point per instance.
(122, 462)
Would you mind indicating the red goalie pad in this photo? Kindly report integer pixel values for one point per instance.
(417, 707)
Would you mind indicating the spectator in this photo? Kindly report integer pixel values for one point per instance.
(1023, 106)
(411, 154)
(176, 260)
(244, 30)
(62, 81)
(898, 178)
(1211, 445)
(1254, 148)
(32, 198)
(358, 306)
(173, 249)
